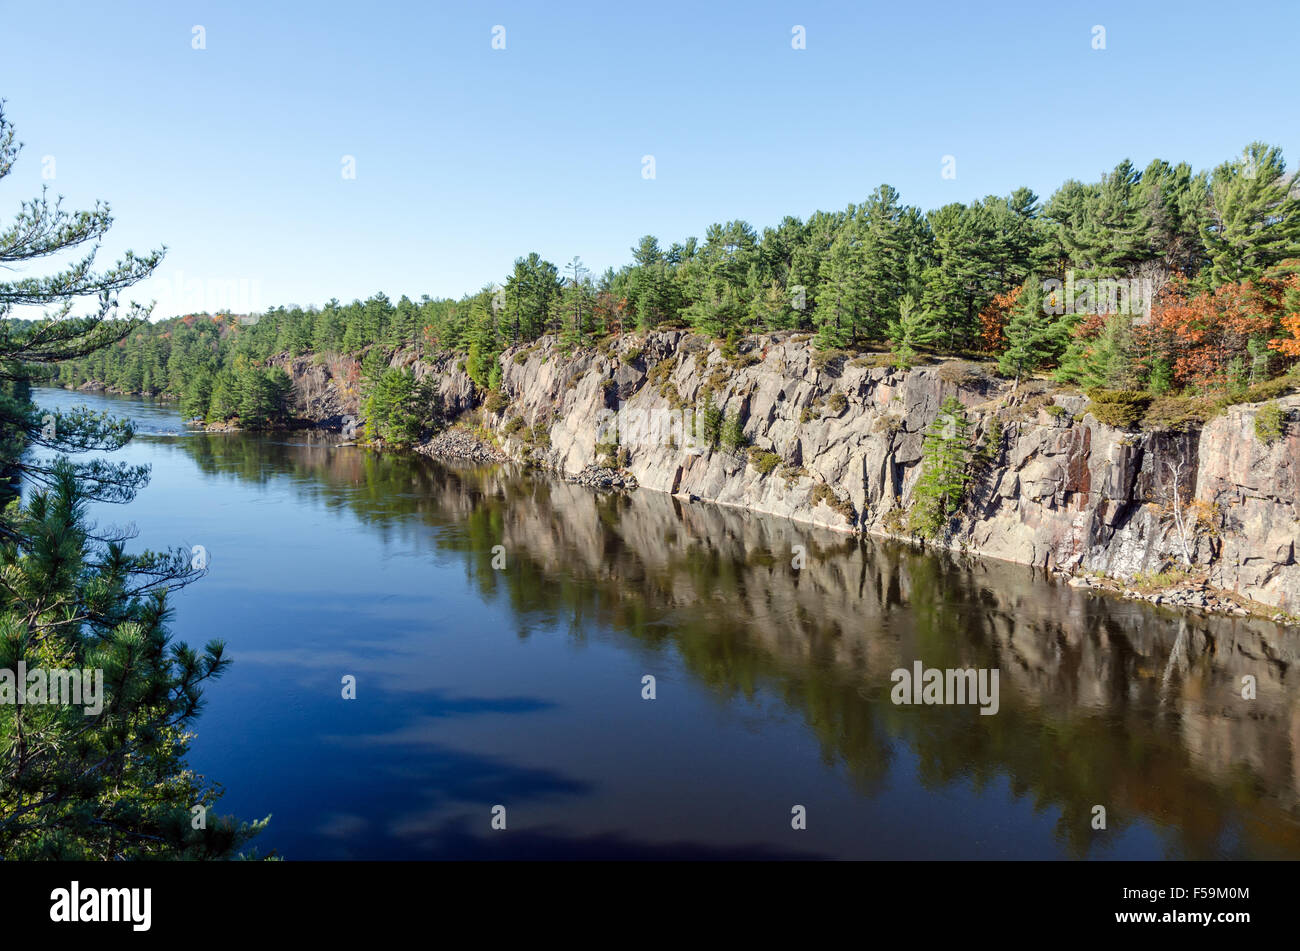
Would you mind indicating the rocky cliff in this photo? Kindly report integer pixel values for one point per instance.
(837, 441)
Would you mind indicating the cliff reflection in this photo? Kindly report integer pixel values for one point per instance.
(1102, 701)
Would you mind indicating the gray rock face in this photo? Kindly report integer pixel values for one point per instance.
(326, 388)
(838, 442)
(1255, 491)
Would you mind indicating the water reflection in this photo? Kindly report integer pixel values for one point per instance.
(1102, 701)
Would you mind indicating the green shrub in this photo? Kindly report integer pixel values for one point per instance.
(659, 373)
(1149, 582)
(1175, 413)
(826, 495)
(1121, 409)
(961, 372)
(873, 360)
(496, 401)
(607, 453)
(1270, 422)
(733, 435)
(822, 359)
(792, 474)
(762, 460)
(1116, 415)
(718, 379)
(516, 423)
(1270, 390)
(1031, 404)
(888, 423)
(1259, 393)
(895, 521)
(709, 422)
(811, 411)
(836, 404)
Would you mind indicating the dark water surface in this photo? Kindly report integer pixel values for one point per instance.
(523, 686)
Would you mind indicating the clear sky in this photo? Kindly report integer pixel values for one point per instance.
(467, 156)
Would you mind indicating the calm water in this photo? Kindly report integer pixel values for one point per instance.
(523, 686)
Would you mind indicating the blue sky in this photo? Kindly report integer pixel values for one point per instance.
(467, 157)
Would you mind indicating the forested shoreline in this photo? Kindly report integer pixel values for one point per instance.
(1159, 282)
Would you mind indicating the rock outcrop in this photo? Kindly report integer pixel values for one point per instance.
(837, 442)
(462, 445)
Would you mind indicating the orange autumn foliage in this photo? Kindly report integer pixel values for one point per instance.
(993, 320)
(1290, 346)
(611, 312)
(1203, 333)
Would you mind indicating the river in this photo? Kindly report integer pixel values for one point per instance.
(515, 676)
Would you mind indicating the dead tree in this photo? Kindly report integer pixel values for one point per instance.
(1170, 490)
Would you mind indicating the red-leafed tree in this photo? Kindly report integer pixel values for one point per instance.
(993, 319)
(1206, 336)
(1289, 345)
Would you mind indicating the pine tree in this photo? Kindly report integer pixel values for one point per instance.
(770, 308)
(1102, 360)
(103, 779)
(1177, 201)
(224, 403)
(911, 329)
(650, 288)
(1105, 228)
(197, 395)
(1034, 338)
(484, 345)
(839, 292)
(709, 421)
(732, 436)
(1254, 218)
(263, 396)
(945, 470)
(886, 241)
(392, 409)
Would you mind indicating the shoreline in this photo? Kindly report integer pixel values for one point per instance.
(481, 444)
(1191, 594)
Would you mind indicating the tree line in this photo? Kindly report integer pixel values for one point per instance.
(1156, 279)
